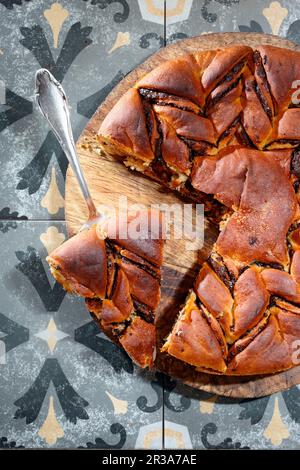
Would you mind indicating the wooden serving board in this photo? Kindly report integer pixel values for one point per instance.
(108, 179)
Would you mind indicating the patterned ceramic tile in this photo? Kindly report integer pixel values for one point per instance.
(89, 45)
(212, 422)
(212, 16)
(63, 384)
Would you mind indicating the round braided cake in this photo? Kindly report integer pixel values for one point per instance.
(222, 127)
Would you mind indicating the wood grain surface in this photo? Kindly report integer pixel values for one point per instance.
(108, 179)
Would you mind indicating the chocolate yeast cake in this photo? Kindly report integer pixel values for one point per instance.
(119, 276)
(220, 127)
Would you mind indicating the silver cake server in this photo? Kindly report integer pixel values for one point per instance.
(52, 102)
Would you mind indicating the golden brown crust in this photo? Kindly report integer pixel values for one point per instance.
(223, 112)
(251, 300)
(222, 63)
(178, 77)
(216, 297)
(111, 314)
(282, 284)
(282, 68)
(187, 124)
(80, 263)
(121, 297)
(256, 122)
(289, 125)
(295, 266)
(174, 152)
(125, 234)
(194, 341)
(129, 135)
(252, 183)
(144, 286)
(120, 279)
(272, 349)
(139, 341)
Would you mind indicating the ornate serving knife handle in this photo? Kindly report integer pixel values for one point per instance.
(52, 102)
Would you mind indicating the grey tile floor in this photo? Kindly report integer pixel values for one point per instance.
(62, 383)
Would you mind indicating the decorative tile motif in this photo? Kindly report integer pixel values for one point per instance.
(120, 406)
(56, 16)
(51, 430)
(150, 436)
(210, 16)
(52, 238)
(63, 383)
(275, 15)
(174, 10)
(122, 39)
(53, 200)
(207, 406)
(152, 10)
(51, 335)
(177, 436)
(222, 423)
(276, 431)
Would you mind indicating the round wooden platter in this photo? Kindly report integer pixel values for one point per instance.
(108, 179)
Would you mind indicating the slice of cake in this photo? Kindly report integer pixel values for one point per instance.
(119, 276)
